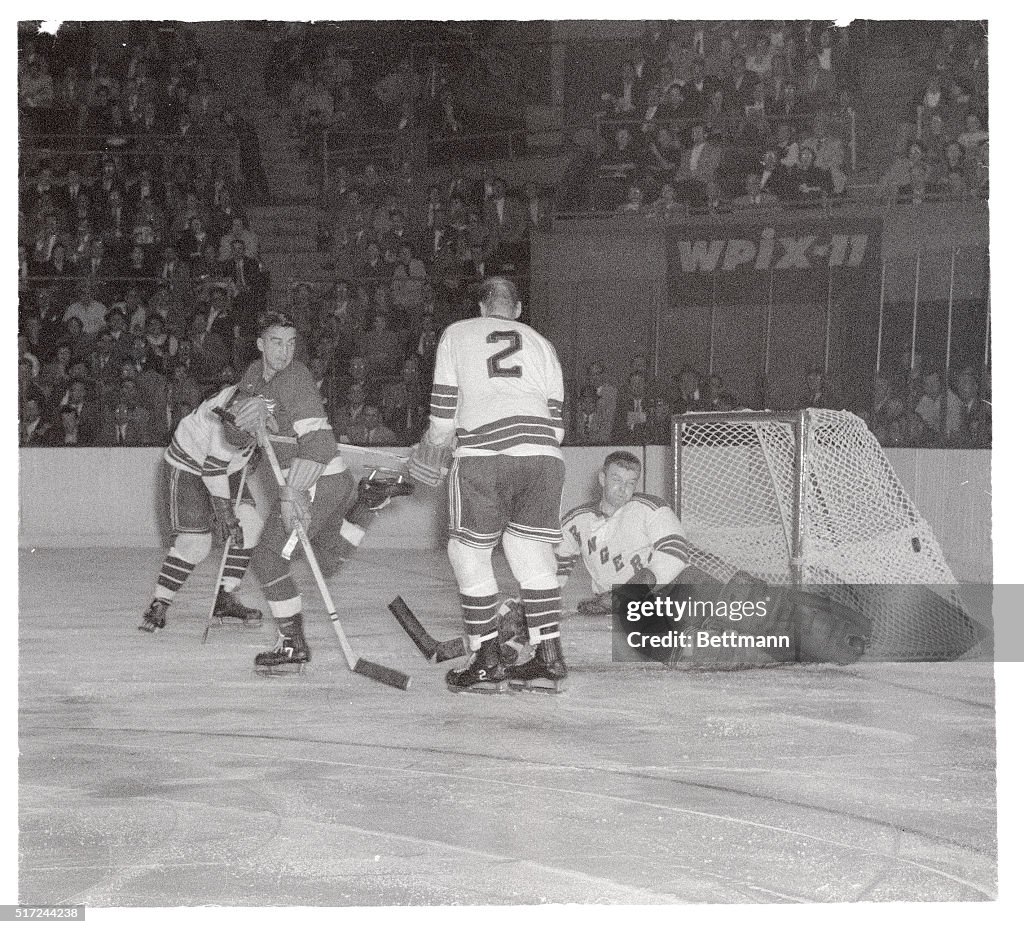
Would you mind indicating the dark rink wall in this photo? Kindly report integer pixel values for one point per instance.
(759, 315)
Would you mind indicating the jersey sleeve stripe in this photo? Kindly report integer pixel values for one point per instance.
(304, 426)
(651, 501)
(676, 540)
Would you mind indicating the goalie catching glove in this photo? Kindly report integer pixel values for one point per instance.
(226, 524)
(295, 496)
(429, 462)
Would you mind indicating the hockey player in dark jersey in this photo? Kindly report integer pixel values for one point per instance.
(205, 460)
(319, 492)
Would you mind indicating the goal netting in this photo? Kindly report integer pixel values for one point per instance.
(809, 498)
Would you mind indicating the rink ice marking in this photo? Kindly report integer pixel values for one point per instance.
(98, 894)
(896, 830)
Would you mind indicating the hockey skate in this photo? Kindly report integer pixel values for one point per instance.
(155, 617)
(228, 606)
(378, 489)
(483, 675)
(228, 609)
(291, 652)
(543, 673)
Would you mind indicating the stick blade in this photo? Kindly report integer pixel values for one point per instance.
(453, 648)
(383, 674)
(426, 643)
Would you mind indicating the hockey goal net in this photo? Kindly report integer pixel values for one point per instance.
(809, 499)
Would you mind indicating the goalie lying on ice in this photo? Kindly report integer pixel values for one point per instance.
(628, 537)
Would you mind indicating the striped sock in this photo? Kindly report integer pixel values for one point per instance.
(543, 609)
(173, 573)
(479, 615)
(234, 568)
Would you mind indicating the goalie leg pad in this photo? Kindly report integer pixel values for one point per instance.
(823, 629)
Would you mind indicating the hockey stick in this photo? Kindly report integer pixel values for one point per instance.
(227, 543)
(224, 556)
(360, 666)
(369, 457)
(430, 648)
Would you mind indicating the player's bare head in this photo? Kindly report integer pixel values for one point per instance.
(276, 342)
(618, 479)
(499, 298)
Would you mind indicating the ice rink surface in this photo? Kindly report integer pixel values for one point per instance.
(158, 771)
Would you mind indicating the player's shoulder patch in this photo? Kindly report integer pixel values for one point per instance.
(651, 502)
(587, 508)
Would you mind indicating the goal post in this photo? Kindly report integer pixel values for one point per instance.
(808, 499)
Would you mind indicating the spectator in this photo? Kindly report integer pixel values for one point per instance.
(619, 164)
(739, 87)
(973, 136)
(625, 96)
(370, 431)
(347, 421)
(634, 202)
(405, 404)
(35, 430)
(976, 413)
(698, 170)
(811, 184)
(66, 434)
(584, 428)
(408, 281)
(754, 198)
(87, 309)
(634, 410)
(239, 231)
(829, 152)
(901, 176)
(124, 425)
(931, 406)
(819, 86)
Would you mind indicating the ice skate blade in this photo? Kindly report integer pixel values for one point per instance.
(536, 686)
(279, 671)
(483, 687)
(231, 624)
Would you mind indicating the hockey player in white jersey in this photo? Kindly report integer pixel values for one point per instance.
(626, 537)
(497, 398)
(205, 460)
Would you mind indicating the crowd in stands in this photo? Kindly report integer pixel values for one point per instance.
(140, 280)
(909, 407)
(946, 154)
(713, 117)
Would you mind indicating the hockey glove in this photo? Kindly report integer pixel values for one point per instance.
(226, 523)
(295, 509)
(601, 605)
(427, 462)
(249, 413)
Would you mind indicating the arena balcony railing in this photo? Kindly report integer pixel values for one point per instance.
(426, 149)
(162, 146)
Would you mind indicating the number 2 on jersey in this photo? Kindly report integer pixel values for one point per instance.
(494, 366)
